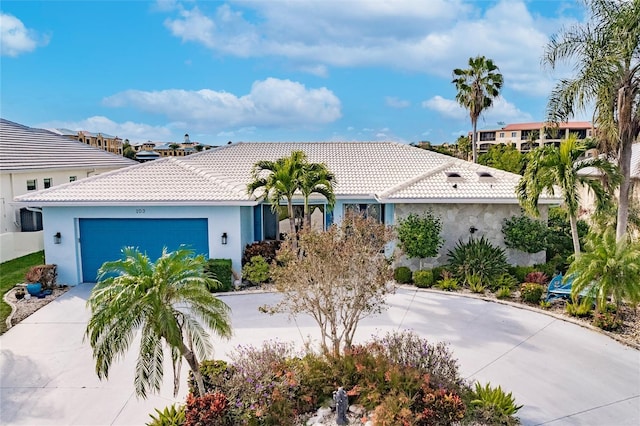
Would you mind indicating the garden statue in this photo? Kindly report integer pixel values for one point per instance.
(342, 404)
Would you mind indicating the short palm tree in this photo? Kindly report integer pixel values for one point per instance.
(316, 179)
(168, 301)
(607, 268)
(281, 181)
(550, 168)
(477, 87)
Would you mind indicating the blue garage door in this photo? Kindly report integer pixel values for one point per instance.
(102, 240)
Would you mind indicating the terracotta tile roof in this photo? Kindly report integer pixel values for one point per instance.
(384, 170)
(27, 148)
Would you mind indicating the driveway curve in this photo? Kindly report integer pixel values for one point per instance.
(564, 374)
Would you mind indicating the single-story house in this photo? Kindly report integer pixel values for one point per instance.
(34, 159)
(201, 200)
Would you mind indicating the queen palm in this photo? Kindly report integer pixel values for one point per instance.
(168, 301)
(282, 180)
(606, 51)
(316, 179)
(477, 87)
(607, 268)
(550, 168)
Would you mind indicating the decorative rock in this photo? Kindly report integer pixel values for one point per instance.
(358, 410)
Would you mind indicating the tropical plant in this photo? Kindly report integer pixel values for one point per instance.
(208, 409)
(166, 300)
(538, 277)
(477, 257)
(504, 280)
(608, 268)
(419, 235)
(605, 54)
(475, 284)
(494, 405)
(503, 157)
(525, 234)
(560, 240)
(448, 282)
(257, 270)
(477, 87)
(579, 308)
(550, 168)
(503, 293)
(172, 415)
(531, 292)
(282, 180)
(316, 179)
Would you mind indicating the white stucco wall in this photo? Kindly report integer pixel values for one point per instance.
(457, 219)
(67, 254)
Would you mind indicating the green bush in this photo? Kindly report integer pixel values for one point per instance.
(559, 242)
(220, 269)
(494, 406)
(173, 415)
(475, 284)
(525, 234)
(504, 280)
(214, 373)
(437, 272)
(256, 270)
(607, 321)
(448, 284)
(423, 278)
(520, 272)
(503, 293)
(419, 236)
(477, 257)
(402, 275)
(531, 292)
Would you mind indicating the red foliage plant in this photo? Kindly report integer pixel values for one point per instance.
(537, 277)
(208, 409)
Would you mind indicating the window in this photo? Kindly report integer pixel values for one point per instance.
(375, 211)
(72, 178)
(276, 224)
(32, 185)
(513, 134)
(30, 220)
(502, 134)
(47, 182)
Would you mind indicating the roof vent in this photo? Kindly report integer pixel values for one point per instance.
(485, 177)
(454, 177)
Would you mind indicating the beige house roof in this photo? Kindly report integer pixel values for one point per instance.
(25, 148)
(387, 171)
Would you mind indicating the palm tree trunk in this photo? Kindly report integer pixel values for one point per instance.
(573, 221)
(474, 140)
(292, 225)
(625, 129)
(195, 368)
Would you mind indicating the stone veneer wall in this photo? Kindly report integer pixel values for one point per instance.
(456, 221)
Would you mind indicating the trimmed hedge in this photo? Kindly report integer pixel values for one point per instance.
(220, 269)
(402, 275)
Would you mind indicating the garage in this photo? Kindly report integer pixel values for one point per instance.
(102, 240)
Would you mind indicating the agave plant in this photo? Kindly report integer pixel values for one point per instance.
(495, 405)
(477, 257)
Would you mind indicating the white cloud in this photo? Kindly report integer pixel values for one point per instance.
(15, 38)
(446, 107)
(395, 102)
(502, 110)
(271, 102)
(403, 34)
(135, 132)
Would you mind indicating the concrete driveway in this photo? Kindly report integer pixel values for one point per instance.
(562, 373)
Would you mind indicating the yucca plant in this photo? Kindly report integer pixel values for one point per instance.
(477, 257)
(173, 415)
(494, 406)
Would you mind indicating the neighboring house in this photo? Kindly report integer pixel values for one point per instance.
(35, 159)
(528, 136)
(201, 200)
(101, 141)
(153, 150)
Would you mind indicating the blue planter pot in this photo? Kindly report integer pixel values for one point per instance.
(34, 289)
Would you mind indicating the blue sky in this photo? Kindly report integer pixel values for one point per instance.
(279, 70)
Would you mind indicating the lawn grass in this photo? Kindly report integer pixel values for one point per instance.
(12, 273)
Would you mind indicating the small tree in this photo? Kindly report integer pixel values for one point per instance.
(341, 278)
(525, 234)
(419, 236)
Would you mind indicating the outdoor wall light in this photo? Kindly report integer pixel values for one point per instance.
(57, 238)
(473, 229)
(224, 238)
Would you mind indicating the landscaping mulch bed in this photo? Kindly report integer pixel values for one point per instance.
(22, 308)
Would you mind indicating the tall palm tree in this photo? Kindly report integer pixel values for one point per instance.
(168, 301)
(477, 87)
(282, 181)
(550, 168)
(317, 179)
(607, 268)
(606, 51)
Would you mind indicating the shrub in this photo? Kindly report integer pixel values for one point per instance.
(475, 284)
(525, 234)
(208, 409)
(402, 275)
(419, 236)
(220, 269)
(580, 309)
(423, 278)
(503, 293)
(531, 292)
(437, 272)
(214, 374)
(504, 280)
(256, 270)
(544, 304)
(477, 257)
(171, 416)
(607, 321)
(266, 249)
(395, 409)
(520, 272)
(494, 406)
(448, 284)
(537, 277)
